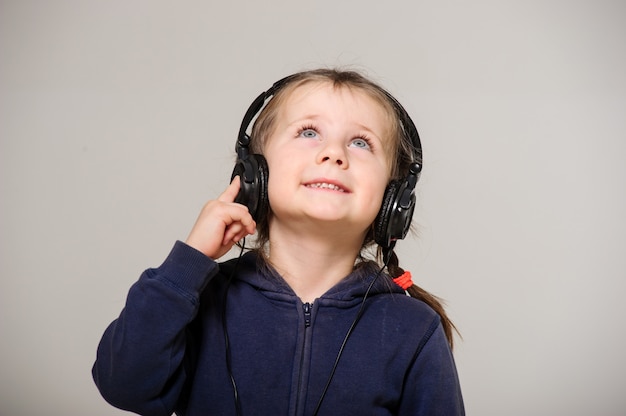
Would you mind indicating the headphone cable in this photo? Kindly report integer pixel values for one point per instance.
(226, 338)
(345, 339)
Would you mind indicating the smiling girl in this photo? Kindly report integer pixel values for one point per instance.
(307, 322)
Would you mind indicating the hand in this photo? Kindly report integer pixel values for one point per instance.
(221, 224)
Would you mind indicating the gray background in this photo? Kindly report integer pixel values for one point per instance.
(118, 120)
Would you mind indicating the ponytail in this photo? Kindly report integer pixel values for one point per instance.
(395, 272)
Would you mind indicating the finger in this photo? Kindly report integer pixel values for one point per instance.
(231, 192)
(231, 232)
(236, 231)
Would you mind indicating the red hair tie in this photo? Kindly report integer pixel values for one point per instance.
(404, 280)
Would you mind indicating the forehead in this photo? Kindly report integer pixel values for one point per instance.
(325, 97)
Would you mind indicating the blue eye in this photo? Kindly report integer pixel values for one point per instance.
(308, 133)
(361, 143)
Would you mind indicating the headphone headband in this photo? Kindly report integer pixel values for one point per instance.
(243, 139)
(408, 130)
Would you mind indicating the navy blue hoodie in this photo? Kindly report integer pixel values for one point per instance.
(167, 352)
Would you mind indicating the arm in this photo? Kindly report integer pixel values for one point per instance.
(432, 385)
(140, 360)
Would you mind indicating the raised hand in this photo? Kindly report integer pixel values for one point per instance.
(221, 224)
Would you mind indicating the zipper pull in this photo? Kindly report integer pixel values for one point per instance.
(307, 314)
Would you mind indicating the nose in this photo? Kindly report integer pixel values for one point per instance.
(333, 153)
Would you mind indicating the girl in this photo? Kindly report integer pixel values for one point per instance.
(307, 323)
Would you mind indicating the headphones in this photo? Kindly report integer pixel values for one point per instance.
(394, 218)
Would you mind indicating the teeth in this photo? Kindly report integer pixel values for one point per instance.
(325, 185)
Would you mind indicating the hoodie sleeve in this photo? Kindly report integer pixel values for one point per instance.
(139, 363)
(432, 385)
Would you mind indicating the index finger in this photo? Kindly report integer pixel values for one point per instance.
(231, 192)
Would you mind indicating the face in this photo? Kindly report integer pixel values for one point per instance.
(328, 158)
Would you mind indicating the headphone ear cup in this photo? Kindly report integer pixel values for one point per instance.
(394, 218)
(263, 180)
(254, 174)
(381, 224)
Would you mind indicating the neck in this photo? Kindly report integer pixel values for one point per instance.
(312, 263)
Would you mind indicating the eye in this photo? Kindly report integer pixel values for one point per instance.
(361, 143)
(308, 132)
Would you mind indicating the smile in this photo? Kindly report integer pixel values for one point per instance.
(325, 185)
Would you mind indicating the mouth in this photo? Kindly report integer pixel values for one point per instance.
(326, 185)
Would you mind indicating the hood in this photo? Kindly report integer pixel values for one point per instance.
(254, 271)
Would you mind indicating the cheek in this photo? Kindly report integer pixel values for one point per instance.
(382, 193)
(379, 189)
(276, 161)
(280, 182)
(379, 180)
(375, 197)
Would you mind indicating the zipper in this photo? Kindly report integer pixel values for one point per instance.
(307, 314)
(306, 308)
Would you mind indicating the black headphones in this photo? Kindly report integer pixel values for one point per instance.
(394, 218)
